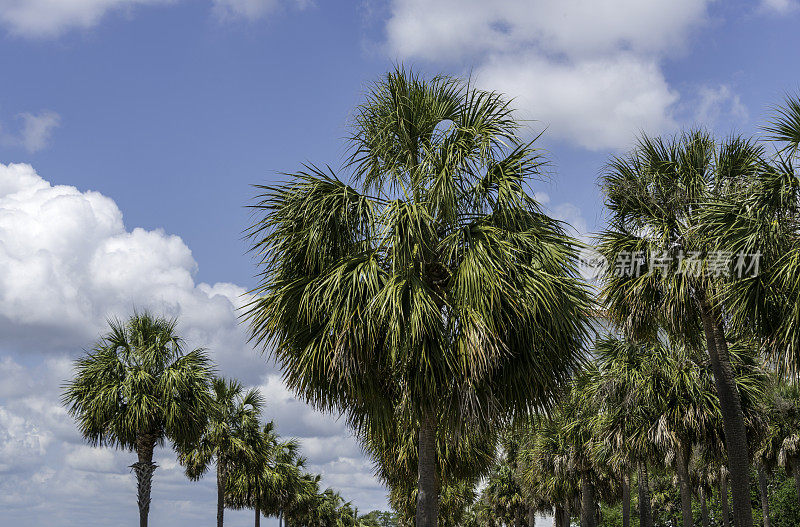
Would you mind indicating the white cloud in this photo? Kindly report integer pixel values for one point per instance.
(67, 261)
(446, 29)
(52, 18)
(34, 132)
(718, 103)
(590, 71)
(45, 18)
(595, 103)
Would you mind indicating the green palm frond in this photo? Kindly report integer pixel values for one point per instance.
(138, 379)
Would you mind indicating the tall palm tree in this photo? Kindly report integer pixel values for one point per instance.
(436, 272)
(137, 388)
(658, 278)
(230, 434)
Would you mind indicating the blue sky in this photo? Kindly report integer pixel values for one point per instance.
(131, 131)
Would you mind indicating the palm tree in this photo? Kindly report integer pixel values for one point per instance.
(228, 439)
(656, 196)
(627, 415)
(439, 275)
(260, 481)
(137, 388)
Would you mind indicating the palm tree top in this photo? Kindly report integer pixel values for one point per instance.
(436, 270)
(139, 379)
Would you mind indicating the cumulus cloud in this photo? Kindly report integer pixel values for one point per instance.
(595, 103)
(34, 132)
(591, 76)
(67, 262)
(462, 28)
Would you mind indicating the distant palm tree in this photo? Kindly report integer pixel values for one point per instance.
(229, 437)
(260, 481)
(627, 416)
(439, 276)
(138, 388)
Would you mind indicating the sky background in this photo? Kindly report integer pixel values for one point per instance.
(131, 131)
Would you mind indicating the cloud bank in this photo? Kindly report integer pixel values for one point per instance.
(67, 262)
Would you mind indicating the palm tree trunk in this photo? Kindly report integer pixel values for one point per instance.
(626, 499)
(563, 515)
(732, 416)
(704, 509)
(682, 462)
(762, 487)
(567, 514)
(588, 512)
(144, 468)
(427, 496)
(645, 514)
(258, 517)
(220, 491)
(531, 517)
(723, 497)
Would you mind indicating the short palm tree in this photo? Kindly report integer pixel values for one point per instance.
(229, 438)
(662, 270)
(436, 273)
(137, 388)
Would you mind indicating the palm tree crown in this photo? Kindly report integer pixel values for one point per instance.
(137, 388)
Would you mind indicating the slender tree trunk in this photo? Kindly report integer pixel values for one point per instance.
(704, 509)
(220, 491)
(562, 516)
(258, 517)
(428, 495)
(280, 518)
(531, 517)
(723, 497)
(144, 468)
(588, 512)
(626, 499)
(567, 514)
(795, 464)
(732, 415)
(762, 487)
(645, 514)
(682, 462)
(558, 516)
